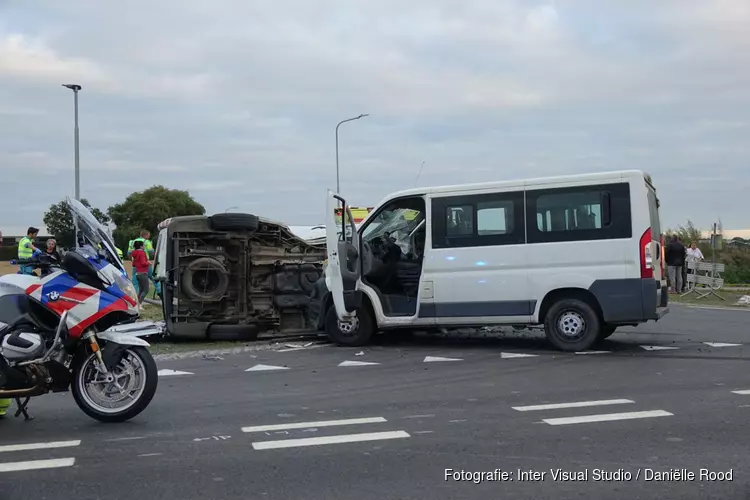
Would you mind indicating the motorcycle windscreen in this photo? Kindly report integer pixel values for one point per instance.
(93, 231)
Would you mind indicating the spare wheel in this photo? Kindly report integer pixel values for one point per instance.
(234, 222)
(205, 279)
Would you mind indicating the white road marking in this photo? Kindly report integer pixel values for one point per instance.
(593, 352)
(151, 454)
(743, 392)
(607, 417)
(292, 349)
(420, 416)
(125, 439)
(37, 464)
(264, 368)
(508, 355)
(579, 404)
(357, 363)
(39, 446)
(423, 432)
(431, 359)
(322, 440)
(657, 347)
(170, 373)
(720, 344)
(456, 421)
(305, 425)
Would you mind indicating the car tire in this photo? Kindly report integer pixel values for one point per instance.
(232, 332)
(606, 331)
(215, 274)
(360, 335)
(572, 325)
(234, 222)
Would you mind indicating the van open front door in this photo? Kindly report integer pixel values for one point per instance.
(343, 271)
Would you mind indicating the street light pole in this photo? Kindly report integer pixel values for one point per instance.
(338, 186)
(75, 89)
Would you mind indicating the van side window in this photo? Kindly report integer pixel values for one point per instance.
(478, 220)
(494, 217)
(579, 213)
(459, 220)
(569, 212)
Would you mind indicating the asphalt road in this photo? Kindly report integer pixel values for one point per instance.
(387, 421)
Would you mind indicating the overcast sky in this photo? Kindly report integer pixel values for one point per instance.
(237, 101)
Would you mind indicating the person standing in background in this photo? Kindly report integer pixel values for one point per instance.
(141, 267)
(675, 257)
(26, 249)
(51, 251)
(148, 247)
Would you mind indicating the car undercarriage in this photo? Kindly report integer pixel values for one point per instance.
(232, 276)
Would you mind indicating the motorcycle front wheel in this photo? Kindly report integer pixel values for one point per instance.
(122, 393)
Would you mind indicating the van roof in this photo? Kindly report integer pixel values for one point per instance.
(536, 181)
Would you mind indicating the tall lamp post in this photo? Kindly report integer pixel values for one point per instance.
(338, 186)
(75, 88)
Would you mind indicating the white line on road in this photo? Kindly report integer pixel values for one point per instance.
(135, 438)
(510, 355)
(432, 359)
(657, 347)
(720, 344)
(37, 464)
(305, 425)
(317, 441)
(430, 415)
(607, 417)
(292, 349)
(357, 363)
(171, 373)
(593, 352)
(743, 392)
(39, 446)
(150, 454)
(264, 368)
(579, 404)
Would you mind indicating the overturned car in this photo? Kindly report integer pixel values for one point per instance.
(232, 276)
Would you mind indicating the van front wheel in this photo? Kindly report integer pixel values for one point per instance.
(356, 333)
(572, 325)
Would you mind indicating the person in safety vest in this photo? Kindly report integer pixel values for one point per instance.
(4, 405)
(27, 249)
(149, 249)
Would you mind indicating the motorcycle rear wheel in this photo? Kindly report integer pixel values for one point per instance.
(137, 367)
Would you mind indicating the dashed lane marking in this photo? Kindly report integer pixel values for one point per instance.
(657, 348)
(37, 464)
(743, 392)
(264, 368)
(323, 440)
(607, 417)
(306, 425)
(39, 446)
(357, 363)
(171, 373)
(578, 404)
(432, 359)
(721, 344)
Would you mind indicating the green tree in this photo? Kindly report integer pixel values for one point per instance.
(688, 233)
(146, 209)
(59, 222)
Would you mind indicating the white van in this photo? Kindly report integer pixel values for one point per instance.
(579, 254)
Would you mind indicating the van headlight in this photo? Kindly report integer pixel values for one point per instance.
(126, 286)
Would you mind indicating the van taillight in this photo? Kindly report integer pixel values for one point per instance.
(647, 261)
(661, 257)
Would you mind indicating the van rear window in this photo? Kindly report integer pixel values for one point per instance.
(653, 212)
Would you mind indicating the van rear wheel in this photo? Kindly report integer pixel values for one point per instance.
(572, 325)
(356, 333)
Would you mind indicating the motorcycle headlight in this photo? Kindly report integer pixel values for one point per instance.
(126, 286)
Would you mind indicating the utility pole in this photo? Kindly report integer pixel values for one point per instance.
(338, 185)
(75, 88)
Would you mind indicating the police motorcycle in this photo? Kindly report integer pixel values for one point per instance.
(59, 332)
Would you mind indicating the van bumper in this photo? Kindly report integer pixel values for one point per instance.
(631, 301)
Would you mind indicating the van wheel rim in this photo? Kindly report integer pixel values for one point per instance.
(571, 324)
(349, 327)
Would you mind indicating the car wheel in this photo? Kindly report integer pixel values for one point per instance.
(232, 332)
(357, 333)
(606, 331)
(572, 325)
(234, 222)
